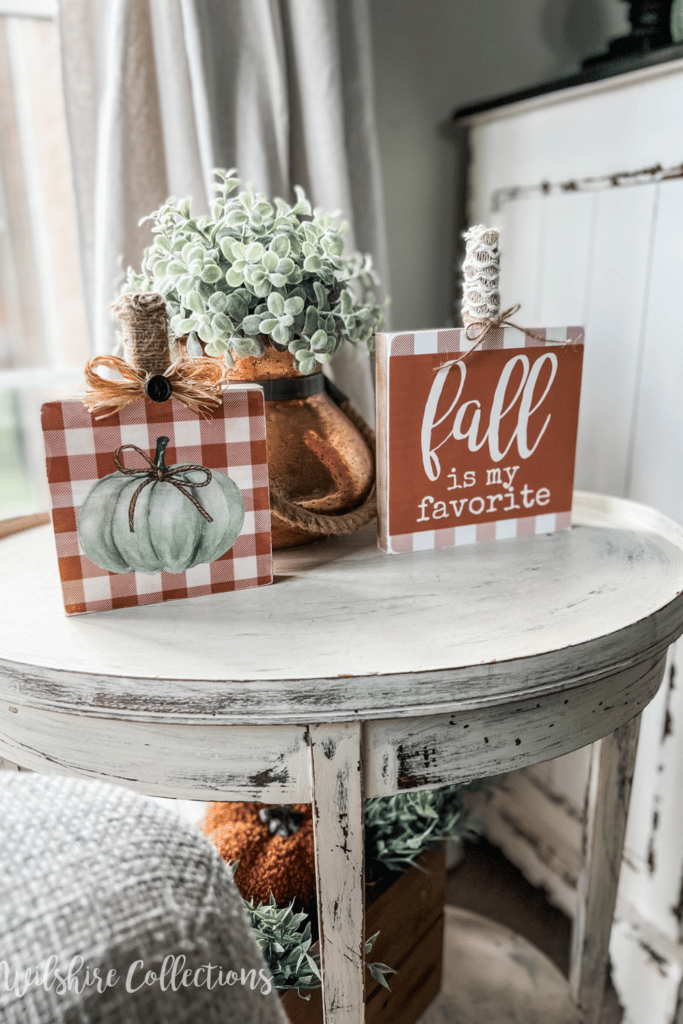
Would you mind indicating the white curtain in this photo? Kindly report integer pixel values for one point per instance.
(159, 92)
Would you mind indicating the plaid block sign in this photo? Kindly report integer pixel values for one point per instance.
(158, 503)
(479, 449)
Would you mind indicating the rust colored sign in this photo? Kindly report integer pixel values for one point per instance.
(480, 448)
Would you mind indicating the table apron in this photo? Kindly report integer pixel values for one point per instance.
(431, 751)
(270, 763)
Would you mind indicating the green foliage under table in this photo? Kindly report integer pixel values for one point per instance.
(398, 829)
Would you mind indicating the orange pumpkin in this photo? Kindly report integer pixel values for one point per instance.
(274, 846)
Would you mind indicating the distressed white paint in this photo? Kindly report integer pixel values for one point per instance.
(190, 762)
(487, 683)
(426, 752)
(647, 968)
(618, 124)
(609, 790)
(337, 783)
(239, 658)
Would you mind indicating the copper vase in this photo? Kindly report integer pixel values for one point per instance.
(316, 456)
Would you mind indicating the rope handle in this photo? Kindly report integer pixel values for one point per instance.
(326, 524)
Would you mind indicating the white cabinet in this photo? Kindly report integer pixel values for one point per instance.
(582, 244)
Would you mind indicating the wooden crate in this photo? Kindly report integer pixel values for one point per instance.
(409, 918)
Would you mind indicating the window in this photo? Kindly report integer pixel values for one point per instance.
(43, 339)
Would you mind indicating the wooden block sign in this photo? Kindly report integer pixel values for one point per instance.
(475, 448)
(157, 502)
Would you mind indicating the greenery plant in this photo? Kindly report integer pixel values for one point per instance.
(398, 829)
(256, 269)
(285, 940)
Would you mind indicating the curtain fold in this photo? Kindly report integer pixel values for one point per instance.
(159, 92)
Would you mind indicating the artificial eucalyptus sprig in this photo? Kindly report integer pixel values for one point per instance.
(285, 940)
(256, 269)
(398, 829)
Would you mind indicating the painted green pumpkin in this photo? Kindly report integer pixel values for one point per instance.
(162, 518)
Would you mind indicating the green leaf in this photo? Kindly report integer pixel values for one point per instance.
(235, 218)
(276, 304)
(252, 324)
(306, 365)
(195, 302)
(176, 268)
(184, 208)
(194, 349)
(211, 273)
(378, 971)
(302, 207)
(254, 252)
(187, 325)
(242, 346)
(319, 341)
(268, 325)
(294, 306)
(312, 264)
(221, 324)
(270, 260)
(311, 320)
(320, 295)
(237, 305)
(184, 284)
(297, 344)
(281, 334)
(280, 246)
(234, 277)
(217, 302)
(226, 245)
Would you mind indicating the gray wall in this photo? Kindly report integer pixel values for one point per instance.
(432, 56)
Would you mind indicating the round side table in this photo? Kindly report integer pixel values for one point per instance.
(362, 674)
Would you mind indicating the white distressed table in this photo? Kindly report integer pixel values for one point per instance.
(362, 674)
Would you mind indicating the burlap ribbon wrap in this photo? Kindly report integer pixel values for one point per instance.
(197, 383)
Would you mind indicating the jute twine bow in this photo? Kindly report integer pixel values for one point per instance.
(482, 328)
(197, 383)
(163, 474)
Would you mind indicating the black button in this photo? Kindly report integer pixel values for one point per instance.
(158, 388)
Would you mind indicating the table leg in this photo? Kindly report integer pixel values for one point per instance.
(337, 785)
(609, 789)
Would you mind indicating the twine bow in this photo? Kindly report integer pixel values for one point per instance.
(197, 383)
(163, 474)
(482, 328)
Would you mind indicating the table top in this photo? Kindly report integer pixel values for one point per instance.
(347, 631)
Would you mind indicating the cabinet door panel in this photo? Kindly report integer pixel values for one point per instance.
(657, 468)
(618, 276)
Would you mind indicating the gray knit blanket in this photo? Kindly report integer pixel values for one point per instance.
(116, 911)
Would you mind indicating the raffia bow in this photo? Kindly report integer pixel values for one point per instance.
(197, 383)
(164, 474)
(482, 328)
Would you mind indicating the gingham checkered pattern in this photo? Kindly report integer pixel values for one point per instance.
(79, 449)
(448, 343)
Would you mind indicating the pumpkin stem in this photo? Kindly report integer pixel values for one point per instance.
(162, 444)
(281, 821)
